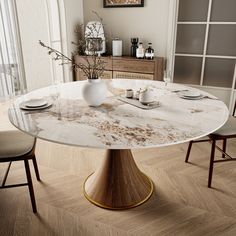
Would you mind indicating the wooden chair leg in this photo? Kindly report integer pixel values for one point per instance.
(224, 147)
(188, 152)
(6, 174)
(30, 186)
(36, 168)
(211, 163)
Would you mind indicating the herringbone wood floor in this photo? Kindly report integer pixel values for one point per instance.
(181, 205)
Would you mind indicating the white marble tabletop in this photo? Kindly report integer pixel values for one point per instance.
(115, 124)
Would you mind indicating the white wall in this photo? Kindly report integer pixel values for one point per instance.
(149, 23)
(73, 16)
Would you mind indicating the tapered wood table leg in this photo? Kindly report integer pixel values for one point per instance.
(118, 183)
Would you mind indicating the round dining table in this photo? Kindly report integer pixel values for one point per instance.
(118, 127)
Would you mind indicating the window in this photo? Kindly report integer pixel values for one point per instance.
(12, 76)
(205, 52)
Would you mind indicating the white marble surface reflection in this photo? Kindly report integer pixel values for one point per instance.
(117, 125)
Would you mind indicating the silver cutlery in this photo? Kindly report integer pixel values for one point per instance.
(180, 90)
(210, 98)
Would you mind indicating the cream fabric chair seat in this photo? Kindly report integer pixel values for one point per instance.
(18, 146)
(15, 143)
(228, 129)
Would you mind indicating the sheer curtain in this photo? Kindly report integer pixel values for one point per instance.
(12, 76)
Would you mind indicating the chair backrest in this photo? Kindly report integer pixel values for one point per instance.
(234, 110)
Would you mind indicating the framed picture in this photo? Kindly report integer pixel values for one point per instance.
(123, 3)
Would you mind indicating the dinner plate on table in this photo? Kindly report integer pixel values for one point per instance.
(35, 105)
(192, 98)
(191, 95)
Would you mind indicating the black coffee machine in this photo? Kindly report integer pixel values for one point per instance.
(134, 46)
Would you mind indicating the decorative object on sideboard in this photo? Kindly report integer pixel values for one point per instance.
(95, 38)
(116, 47)
(140, 51)
(134, 46)
(123, 3)
(149, 53)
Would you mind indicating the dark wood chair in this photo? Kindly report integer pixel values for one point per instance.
(18, 146)
(227, 131)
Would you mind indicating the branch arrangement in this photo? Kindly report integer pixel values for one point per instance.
(93, 66)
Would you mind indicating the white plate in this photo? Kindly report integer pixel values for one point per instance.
(192, 98)
(35, 103)
(192, 94)
(24, 107)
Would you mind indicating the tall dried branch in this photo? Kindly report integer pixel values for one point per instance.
(93, 66)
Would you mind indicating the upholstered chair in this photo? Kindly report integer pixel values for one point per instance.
(18, 146)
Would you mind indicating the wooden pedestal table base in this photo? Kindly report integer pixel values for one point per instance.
(118, 184)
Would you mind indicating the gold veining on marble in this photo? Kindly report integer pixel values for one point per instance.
(116, 124)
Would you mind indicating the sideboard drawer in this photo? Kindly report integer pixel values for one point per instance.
(134, 65)
(129, 75)
(107, 75)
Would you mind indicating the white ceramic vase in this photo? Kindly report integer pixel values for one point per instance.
(94, 92)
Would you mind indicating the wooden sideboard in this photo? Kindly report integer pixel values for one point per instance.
(128, 68)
